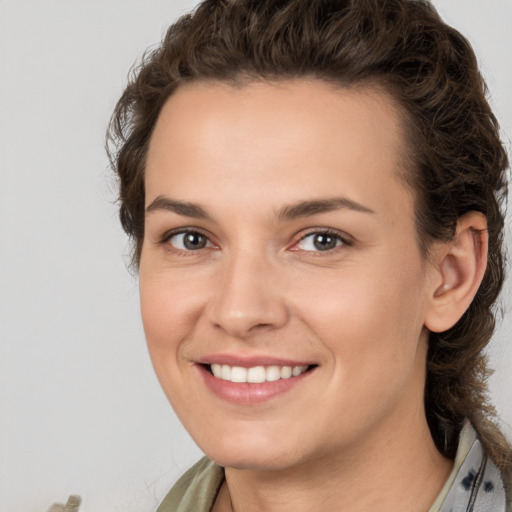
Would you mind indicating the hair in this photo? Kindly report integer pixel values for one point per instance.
(457, 162)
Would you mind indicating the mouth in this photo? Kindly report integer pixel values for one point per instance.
(255, 374)
(251, 380)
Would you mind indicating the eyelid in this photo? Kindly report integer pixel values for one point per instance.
(347, 240)
(166, 237)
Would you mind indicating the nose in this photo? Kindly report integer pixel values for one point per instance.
(248, 299)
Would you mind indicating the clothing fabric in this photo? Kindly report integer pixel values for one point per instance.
(71, 505)
(474, 485)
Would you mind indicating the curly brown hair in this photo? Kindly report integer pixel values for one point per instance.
(457, 161)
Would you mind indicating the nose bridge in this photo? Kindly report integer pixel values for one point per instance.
(246, 298)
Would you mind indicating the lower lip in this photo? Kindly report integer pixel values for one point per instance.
(245, 393)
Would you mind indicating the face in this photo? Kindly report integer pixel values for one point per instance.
(283, 292)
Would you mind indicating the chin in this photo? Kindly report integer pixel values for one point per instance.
(256, 453)
(251, 461)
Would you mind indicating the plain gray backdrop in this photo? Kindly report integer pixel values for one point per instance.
(81, 411)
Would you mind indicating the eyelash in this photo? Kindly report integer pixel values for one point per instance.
(341, 241)
(344, 240)
(165, 240)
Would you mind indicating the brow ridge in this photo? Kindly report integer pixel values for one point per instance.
(317, 206)
(300, 209)
(181, 208)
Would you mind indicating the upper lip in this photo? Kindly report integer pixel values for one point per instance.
(250, 361)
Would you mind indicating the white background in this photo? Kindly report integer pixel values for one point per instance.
(81, 411)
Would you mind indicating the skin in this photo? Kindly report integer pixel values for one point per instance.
(347, 436)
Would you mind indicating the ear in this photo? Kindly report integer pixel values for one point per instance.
(458, 268)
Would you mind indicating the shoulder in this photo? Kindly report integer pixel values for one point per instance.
(195, 490)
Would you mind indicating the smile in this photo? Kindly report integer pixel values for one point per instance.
(255, 374)
(251, 381)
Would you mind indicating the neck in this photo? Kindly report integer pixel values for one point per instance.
(397, 469)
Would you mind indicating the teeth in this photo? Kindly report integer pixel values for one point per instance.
(273, 373)
(238, 374)
(297, 370)
(216, 370)
(286, 372)
(256, 374)
(226, 372)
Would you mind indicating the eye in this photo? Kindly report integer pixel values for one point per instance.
(188, 241)
(320, 241)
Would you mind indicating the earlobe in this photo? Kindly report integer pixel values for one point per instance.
(459, 268)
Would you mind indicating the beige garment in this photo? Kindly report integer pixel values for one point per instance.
(196, 490)
(71, 506)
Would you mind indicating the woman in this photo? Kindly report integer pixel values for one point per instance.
(313, 190)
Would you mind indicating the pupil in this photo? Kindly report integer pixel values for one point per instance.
(194, 241)
(324, 242)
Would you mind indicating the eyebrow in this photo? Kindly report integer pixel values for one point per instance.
(187, 209)
(289, 212)
(316, 206)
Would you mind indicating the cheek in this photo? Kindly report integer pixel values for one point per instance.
(168, 310)
(367, 314)
(169, 315)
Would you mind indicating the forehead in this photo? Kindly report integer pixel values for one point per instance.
(290, 137)
(309, 104)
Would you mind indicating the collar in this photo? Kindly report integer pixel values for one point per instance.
(475, 484)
